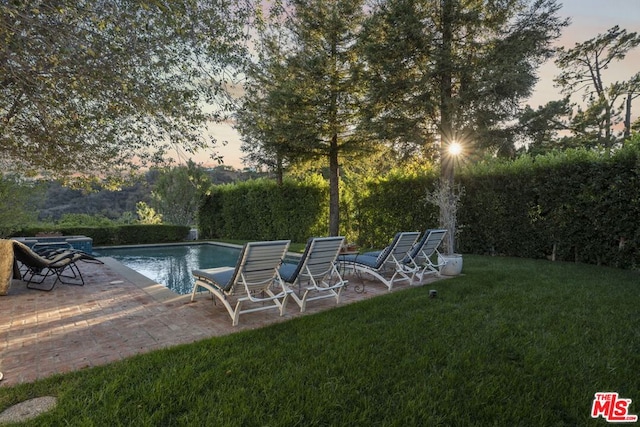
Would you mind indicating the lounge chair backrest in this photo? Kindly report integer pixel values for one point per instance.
(433, 241)
(300, 264)
(320, 256)
(234, 278)
(405, 243)
(384, 255)
(428, 244)
(25, 255)
(258, 264)
(399, 247)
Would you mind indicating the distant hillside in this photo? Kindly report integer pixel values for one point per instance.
(59, 200)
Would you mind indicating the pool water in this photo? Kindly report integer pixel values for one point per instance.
(171, 265)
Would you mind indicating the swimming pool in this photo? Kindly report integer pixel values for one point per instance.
(171, 265)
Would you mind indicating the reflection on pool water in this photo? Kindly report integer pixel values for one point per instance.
(171, 265)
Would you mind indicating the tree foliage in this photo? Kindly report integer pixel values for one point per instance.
(18, 207)
(177, 193)
(452, 70)
(304, 100)
(92, 87)
(541, 128)
(592, 120)
(262, 118)
(582, 72)
(147, 214)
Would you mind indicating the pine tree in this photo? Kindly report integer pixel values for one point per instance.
(312, 92)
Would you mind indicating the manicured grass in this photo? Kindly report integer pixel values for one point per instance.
(512, 342)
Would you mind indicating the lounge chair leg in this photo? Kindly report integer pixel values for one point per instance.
(193, 292)
(29, 286)
(298, 300)
(339, 295)
(235, 316)
(283, 305)
(303, 301)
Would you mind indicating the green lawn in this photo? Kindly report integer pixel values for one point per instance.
(512, 342)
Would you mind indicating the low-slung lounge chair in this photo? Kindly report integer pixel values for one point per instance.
(390, 259)
(38, 268)
(252, 279)
(316, 271)
(422, 253)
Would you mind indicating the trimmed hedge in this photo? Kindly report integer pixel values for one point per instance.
(130, 234)
(263, 210)
(391, 204)
(571, 206)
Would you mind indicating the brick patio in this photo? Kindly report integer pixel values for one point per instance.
(117, 314)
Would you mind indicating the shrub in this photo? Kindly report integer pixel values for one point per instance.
(263, 210)
(573, 206)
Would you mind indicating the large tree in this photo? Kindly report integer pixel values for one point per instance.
(90, 87)
(445, 70)
(582, 68)
(589, 121)
(541, 130)
(308, 106)
(263, 117)
(177, 193)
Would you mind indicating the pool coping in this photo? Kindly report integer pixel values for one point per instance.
(189, 242)
(157, 291)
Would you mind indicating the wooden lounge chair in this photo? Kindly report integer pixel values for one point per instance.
(315, 272)
(391, 259)
(252, 279)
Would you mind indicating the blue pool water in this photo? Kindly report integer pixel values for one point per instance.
(171, 265)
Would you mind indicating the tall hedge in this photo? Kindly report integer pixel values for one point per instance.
(393, 203)
(498, 210)
(572, 206)
(264, 210)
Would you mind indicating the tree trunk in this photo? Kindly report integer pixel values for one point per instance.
(446, 116)
(279, 170)
(446, 91)
(608, 136)
(334, 167)
(334, 185)
(627, 117)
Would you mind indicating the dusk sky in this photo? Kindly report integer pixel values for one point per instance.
(588, 19)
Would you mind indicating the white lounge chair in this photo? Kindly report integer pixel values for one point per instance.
(390, 259)
(422, 253)
(316, 271)
(252, 279)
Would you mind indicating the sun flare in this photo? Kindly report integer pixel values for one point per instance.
(455, 148)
